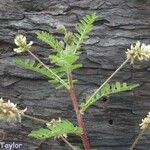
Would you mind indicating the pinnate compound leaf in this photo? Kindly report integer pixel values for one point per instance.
(56, 129)
(37, 67)
(83, 28)
(107, 90)
(66, 60)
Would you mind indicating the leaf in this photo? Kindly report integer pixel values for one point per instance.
(56, 129)
(106, 91)
(37, 67)
(65, 60)
(50, 40)
(83, 29)
(32, 65)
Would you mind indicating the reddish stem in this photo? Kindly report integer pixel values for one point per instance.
(78, 114)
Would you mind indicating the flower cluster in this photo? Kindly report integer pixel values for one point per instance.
(145, 122)
(9, 112)
(138, 52)
(21, 42)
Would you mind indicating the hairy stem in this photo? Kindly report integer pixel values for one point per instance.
(106, 81)
(55, 75)
(34, 118)
(45, 121)
(69, 144)
(137, 139)
(78, 114)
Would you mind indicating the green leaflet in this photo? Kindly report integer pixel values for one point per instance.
(50, 40)
(56, 129)
(106, 91)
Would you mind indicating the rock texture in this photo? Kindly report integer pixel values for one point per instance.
(112, 124)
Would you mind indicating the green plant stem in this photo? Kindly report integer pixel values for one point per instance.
(78, 114)
(69, 144)
(44, 121)
(34, 118)
(55, 75)
(107, 80)
(137, 139)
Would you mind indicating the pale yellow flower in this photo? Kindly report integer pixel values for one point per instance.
(9, 112)
(21, 42)
(138, 52)
(145, 122)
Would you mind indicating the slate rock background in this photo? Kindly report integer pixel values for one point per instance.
(112, 124)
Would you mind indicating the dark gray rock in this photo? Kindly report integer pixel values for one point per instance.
(112, 124)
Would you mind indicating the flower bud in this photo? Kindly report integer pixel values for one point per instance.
(61, 29)
(68, 38)
(62, 44)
